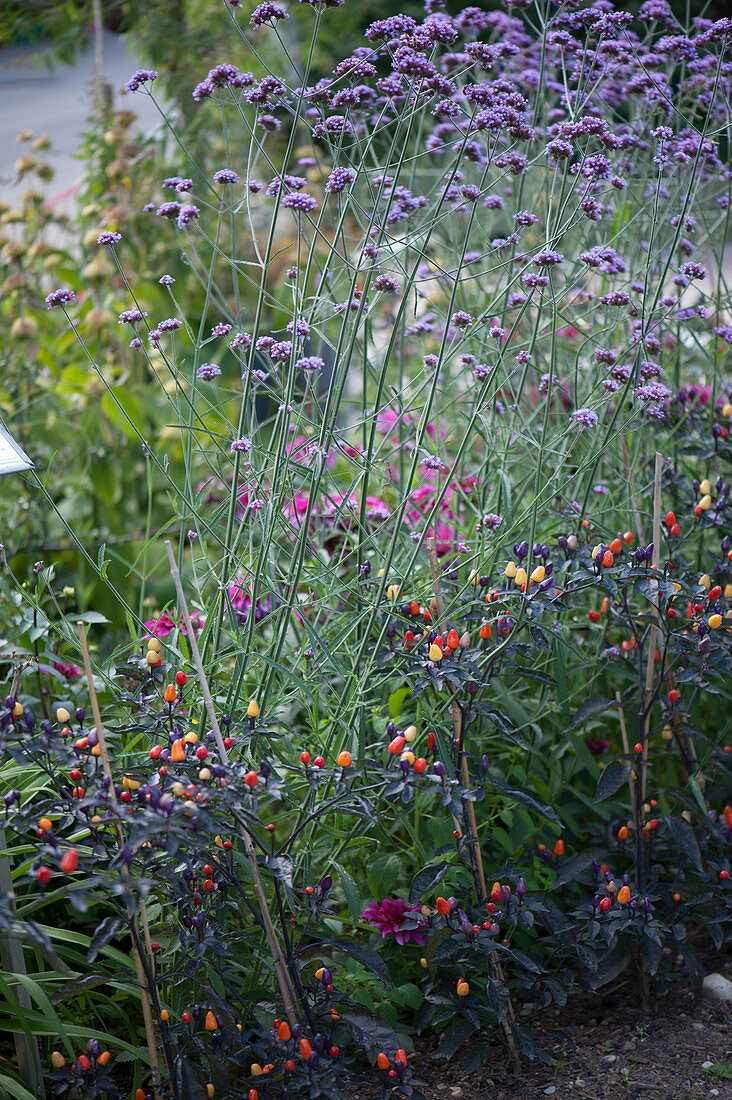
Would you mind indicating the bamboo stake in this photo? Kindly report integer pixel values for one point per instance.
(653, 633)
(145, 993)
(626, 750)
(457, 718)
(283, 977)
(629, 476)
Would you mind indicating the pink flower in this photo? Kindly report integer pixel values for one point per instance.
(241, 602)
(162, 626)
(296, 510)
(570, 333)
(165, 624)
(69, 671)
(394, 916)
(376, 508)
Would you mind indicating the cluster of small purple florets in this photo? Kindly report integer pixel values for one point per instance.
(599, 78)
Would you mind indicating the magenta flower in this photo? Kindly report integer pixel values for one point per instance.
(395, 916)
(162, 626)
(67, 670)
(165, 624)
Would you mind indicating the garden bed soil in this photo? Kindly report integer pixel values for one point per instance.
(603, 1048)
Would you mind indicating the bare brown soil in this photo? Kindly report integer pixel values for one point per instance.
(602, 1047)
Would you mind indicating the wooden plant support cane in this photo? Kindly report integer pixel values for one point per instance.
(676, 720)
(457, 718)
(653, 633)
(629, 476)
(283, 977)
(626, 750)
(145, 993)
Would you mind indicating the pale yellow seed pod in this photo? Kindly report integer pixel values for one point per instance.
(62, 715)
(410, 734)
(510, 570)
(705, 503)
(704, 487)
(435, 653)
(520, 577)
(538, 575)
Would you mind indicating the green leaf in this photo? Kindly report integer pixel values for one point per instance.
(12, 1088)
(426, 880)
(364, 955)
(476, 1058)
(454, 1039)
(683, 834)
(383, 872)
(592, 706)
(524, 1041)
(102, 564)
(396, 701)
(576, 866)
(698, 796)
(499, 999)
(612, 778)
(528, 800)
(504, 724)
(281, 867)
(609, 967)
(371, 1033)
(694, 970)
(652, 952)
(353, 898)
(106, 931)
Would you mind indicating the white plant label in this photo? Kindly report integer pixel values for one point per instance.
(12, 457)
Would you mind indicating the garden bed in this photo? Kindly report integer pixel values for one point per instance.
(603, 1048)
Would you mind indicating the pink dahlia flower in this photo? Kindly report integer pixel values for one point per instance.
(395, 916)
